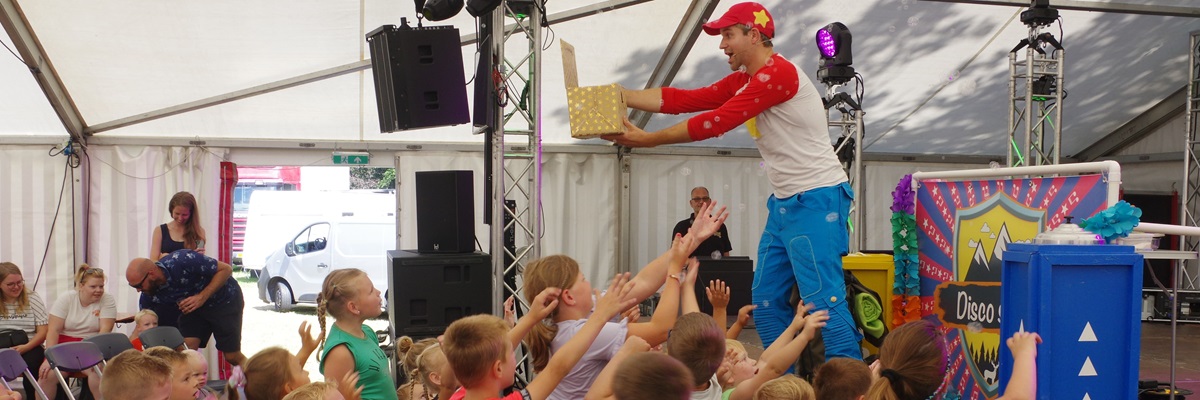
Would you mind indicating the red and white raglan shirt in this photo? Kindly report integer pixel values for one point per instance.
(784, 114)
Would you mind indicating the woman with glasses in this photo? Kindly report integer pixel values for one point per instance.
(78, 315)
(23, 311)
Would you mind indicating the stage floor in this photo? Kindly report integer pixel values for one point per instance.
(1155, 359)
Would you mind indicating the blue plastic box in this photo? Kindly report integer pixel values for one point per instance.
(1084, 301)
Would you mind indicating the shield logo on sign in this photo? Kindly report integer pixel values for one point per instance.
(971, 303)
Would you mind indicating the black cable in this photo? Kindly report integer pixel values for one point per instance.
(10, 50)
(53, 221)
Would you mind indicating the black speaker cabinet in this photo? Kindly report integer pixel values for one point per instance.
(445, 212)
(738, 274)
(419, 79)
(426, 292)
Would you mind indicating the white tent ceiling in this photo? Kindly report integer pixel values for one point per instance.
(936, 73)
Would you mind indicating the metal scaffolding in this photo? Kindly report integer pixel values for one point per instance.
(515, 147)
(849, 151)
(1035, 92)
(1190, 212)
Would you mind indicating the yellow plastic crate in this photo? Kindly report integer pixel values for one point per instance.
(877, 272)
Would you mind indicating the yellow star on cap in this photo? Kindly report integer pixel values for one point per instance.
(761, 18)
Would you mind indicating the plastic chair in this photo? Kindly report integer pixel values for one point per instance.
(111, 344)
(13, 366)
(73, 357)
(162, 336)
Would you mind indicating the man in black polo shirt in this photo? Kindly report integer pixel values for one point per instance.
(718, 243)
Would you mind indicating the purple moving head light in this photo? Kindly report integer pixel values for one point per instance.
(834, 42)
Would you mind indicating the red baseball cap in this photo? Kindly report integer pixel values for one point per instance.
(750, 14)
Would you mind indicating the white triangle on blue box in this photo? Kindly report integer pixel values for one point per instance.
(1088, 334)
(1022, 328)
(1088, 369)
(1086, 397)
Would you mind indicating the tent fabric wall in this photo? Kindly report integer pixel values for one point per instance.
(660, 191)
(38, 231)
(115, 198)
(128, 191)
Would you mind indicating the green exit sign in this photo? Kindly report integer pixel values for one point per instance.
(351, 158)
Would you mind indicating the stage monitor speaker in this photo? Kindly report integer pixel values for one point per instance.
(418, 74)
(445, 212)
(738, 274)
(427, 292)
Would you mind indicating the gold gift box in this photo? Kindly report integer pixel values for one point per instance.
(593, 110)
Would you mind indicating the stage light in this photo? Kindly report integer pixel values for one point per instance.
(478, 8)
(439, 10)
(833, 41)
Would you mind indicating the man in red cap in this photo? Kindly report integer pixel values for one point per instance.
(806, 233)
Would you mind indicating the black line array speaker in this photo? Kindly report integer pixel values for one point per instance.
(427, 292)
(445, 212)
(419, 80)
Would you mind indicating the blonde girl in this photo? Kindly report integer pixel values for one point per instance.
(23, 310)
(351, 346)
(424, 363)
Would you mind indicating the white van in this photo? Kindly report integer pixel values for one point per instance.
(294, 272)
(274, 217)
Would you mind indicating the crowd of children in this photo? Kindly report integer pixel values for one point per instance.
(583, 344)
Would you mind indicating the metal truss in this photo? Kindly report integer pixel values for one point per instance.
(849, 151)
(1035, 92)
(516, 153)
(1190, 212)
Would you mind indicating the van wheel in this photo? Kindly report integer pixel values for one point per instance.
(283, 297)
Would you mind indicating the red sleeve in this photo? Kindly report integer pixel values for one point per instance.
(773, 84)
(678, 101)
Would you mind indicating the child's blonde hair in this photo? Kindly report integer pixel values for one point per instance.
(737, 346)
(133, 375)
(652, 376)
(472, 344)
(418, 361)
(22, 300)
(699, 344)
(137, 318)
(85, 272)
(312, 391)
(786, 387)
(558, 271)
(171, 356)
(336, 291)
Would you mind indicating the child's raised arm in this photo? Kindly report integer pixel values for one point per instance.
(742, 320)
(1023, 384)
(663, 319)
(653, 275)
(688, 302)
(718, 296)
(784, 351)
(543, 304)
(308, 342)
(617, 299)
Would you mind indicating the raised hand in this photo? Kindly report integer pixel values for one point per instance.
(813, 323)
(1022, 342)
(633, 314)
(635, 344)
(544, 303)
(708, 221)
(307, 339)
(744, 314)
(616, 299)
(348, 386)
(718, 295)
(510, 311)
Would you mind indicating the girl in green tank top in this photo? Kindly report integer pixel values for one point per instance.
(351, 346)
